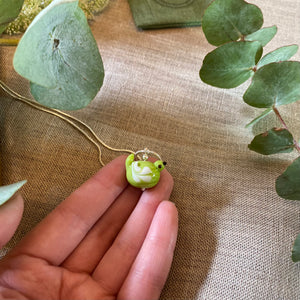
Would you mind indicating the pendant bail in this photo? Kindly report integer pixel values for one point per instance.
(146, 153)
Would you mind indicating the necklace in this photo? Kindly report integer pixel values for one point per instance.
(140, 172)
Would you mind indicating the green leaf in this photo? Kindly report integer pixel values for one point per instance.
(9, 10)
(264, 35)
(274, 84)
(231, 64)
(261, 116)
(60, 56)
(2, 28)
(278, 55)
(229, 20)
(276, 140)
(7, 191)
(288, 184)
(296, 249)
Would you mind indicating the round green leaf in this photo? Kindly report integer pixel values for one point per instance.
(296, 249)
(276, 140)
(231, 64)
(278, 55)
(229, 20)
(7, 191)
(60, 57)
(9, 10)
(288, 184)
(274, 84)
(264, 35)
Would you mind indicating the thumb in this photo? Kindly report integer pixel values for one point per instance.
(10, 215)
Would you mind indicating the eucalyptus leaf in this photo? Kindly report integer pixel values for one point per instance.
(296, 249)
(274, 84)
(231, 64)
(230, 20)
(261, 116)
(9, 10)
(7, 191)
(278, 55)
(263, 35)
(288, 184)
(60, 57)
(276, 140)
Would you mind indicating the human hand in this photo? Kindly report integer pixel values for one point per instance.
(107, 240)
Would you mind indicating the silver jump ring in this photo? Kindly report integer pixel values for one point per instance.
(146, 152)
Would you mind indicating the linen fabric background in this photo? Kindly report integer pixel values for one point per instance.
(235, 233)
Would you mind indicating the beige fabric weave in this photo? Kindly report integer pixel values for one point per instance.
(235, 234)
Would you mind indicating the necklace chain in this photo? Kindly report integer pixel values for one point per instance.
(86, 130)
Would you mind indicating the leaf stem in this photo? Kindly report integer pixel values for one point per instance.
(277, 113)
(9, 42)
(264, 114)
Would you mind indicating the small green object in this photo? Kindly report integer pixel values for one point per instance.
(278, 55)
(60, 57)
(296, 249)
(288, 184)
(276, 140)
(7, 191)
(230, 20)
(263, 35)
(274, 84)
(231, 64)
(143, 174)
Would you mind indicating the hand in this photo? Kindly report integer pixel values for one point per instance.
(107, 240)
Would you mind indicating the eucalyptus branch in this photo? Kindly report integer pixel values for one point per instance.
(238, 57)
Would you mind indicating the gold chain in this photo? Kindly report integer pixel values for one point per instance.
(69, 119)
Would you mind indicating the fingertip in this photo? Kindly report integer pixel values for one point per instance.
(167, 215)
(169, 208)
(11, 214)
(120, 159)
(165, 184)
(168, 178)
(14, 204)
(112, 174)
(118, 162)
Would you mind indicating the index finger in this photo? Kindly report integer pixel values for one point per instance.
(63, 229)
(10, 215)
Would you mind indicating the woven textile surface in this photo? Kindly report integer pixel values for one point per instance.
(235, 233)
